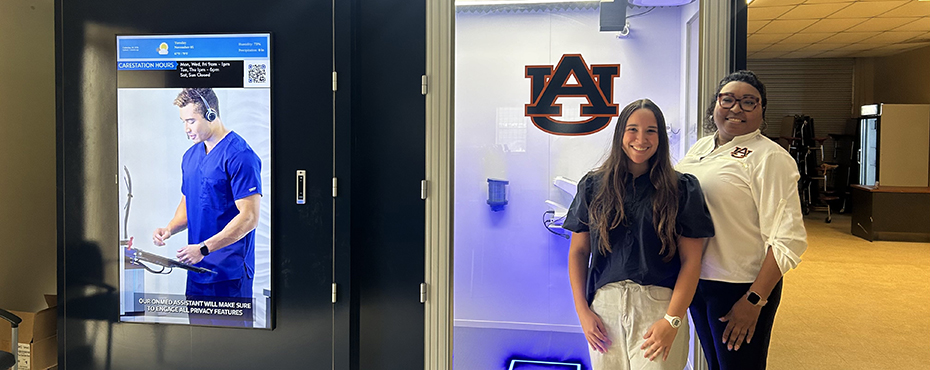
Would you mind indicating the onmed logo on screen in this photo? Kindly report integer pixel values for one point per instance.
(572, 78)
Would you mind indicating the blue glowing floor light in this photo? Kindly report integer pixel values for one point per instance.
(497, 194)
(542, 365)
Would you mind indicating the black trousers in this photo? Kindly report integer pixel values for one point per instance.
(713, 300)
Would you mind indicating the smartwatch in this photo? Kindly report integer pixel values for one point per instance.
(755, 299)
(203, 249)
(674, 320)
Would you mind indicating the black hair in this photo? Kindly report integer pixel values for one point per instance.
(740, 76)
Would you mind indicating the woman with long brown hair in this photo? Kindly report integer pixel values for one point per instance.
(646, 223)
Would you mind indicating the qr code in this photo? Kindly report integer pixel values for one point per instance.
(257, 73)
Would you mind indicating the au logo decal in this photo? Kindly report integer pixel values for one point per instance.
(740, 152)
(594, 84)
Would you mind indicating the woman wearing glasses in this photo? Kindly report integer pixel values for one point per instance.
(750, 185)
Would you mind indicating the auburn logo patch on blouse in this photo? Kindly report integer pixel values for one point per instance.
(740, 152)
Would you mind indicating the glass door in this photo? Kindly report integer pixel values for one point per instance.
(868, 156)
(538, 88)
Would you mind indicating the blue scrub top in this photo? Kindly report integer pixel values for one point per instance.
(211, 185)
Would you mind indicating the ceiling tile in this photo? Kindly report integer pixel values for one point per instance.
(767, 3)
(753, 26)
(834, 25)
(861, 9)
(911, 9)
(873, 53)
(836, 28)
(880, 24)
(752, 48)
(786, 47)
(850, 37)
(835, 54)
(919, 24)
(815, 47)
(767, 38)
(905, 47)
(922, 38)
(827, 1)
(897, 52)
(894, 37)
(786, 26)
(766, 54)
(920, 45)
(766, 13)
(801, 54)
(860, 46)
(816, 11)
(807, 37)
(824, 46)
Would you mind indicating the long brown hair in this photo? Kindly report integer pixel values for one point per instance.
(606, 209)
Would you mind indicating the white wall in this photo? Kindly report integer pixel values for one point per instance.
(28, 257)
(510, 272)
(690, 118)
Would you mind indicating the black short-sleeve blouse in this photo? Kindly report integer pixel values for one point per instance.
(635, 244)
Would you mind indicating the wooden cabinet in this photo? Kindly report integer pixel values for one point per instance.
(891, 213)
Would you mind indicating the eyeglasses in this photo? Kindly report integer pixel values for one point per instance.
(728, 101)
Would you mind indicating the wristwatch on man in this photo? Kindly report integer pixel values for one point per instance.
(755, 299)
(203, 249)
(674, 320)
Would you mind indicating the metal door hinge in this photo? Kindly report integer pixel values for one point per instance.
(423, 289)
(335, 81)
(423, 84)
(424, 189)
(335, 187)
(334, 292)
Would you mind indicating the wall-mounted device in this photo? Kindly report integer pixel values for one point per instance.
(301, 186)
(613, 16)
(555, 216)
(497, 194)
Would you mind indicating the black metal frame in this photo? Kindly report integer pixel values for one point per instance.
(9, 359)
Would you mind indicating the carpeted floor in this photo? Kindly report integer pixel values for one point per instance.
(853, 304)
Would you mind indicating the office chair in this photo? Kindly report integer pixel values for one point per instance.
(7, 359)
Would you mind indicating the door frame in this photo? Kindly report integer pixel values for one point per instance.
(440, 142)
(715, 61)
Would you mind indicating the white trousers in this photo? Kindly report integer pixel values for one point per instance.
(628, 310)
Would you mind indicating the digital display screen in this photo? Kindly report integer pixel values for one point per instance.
(542, 365)
(194, 129)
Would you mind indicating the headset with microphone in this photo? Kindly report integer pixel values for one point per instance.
(209, 113)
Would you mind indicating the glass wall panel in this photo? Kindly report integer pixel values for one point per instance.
(514, 178)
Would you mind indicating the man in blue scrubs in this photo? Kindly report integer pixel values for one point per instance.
(221, 194)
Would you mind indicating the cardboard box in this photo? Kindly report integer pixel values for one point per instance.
(38, 337)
